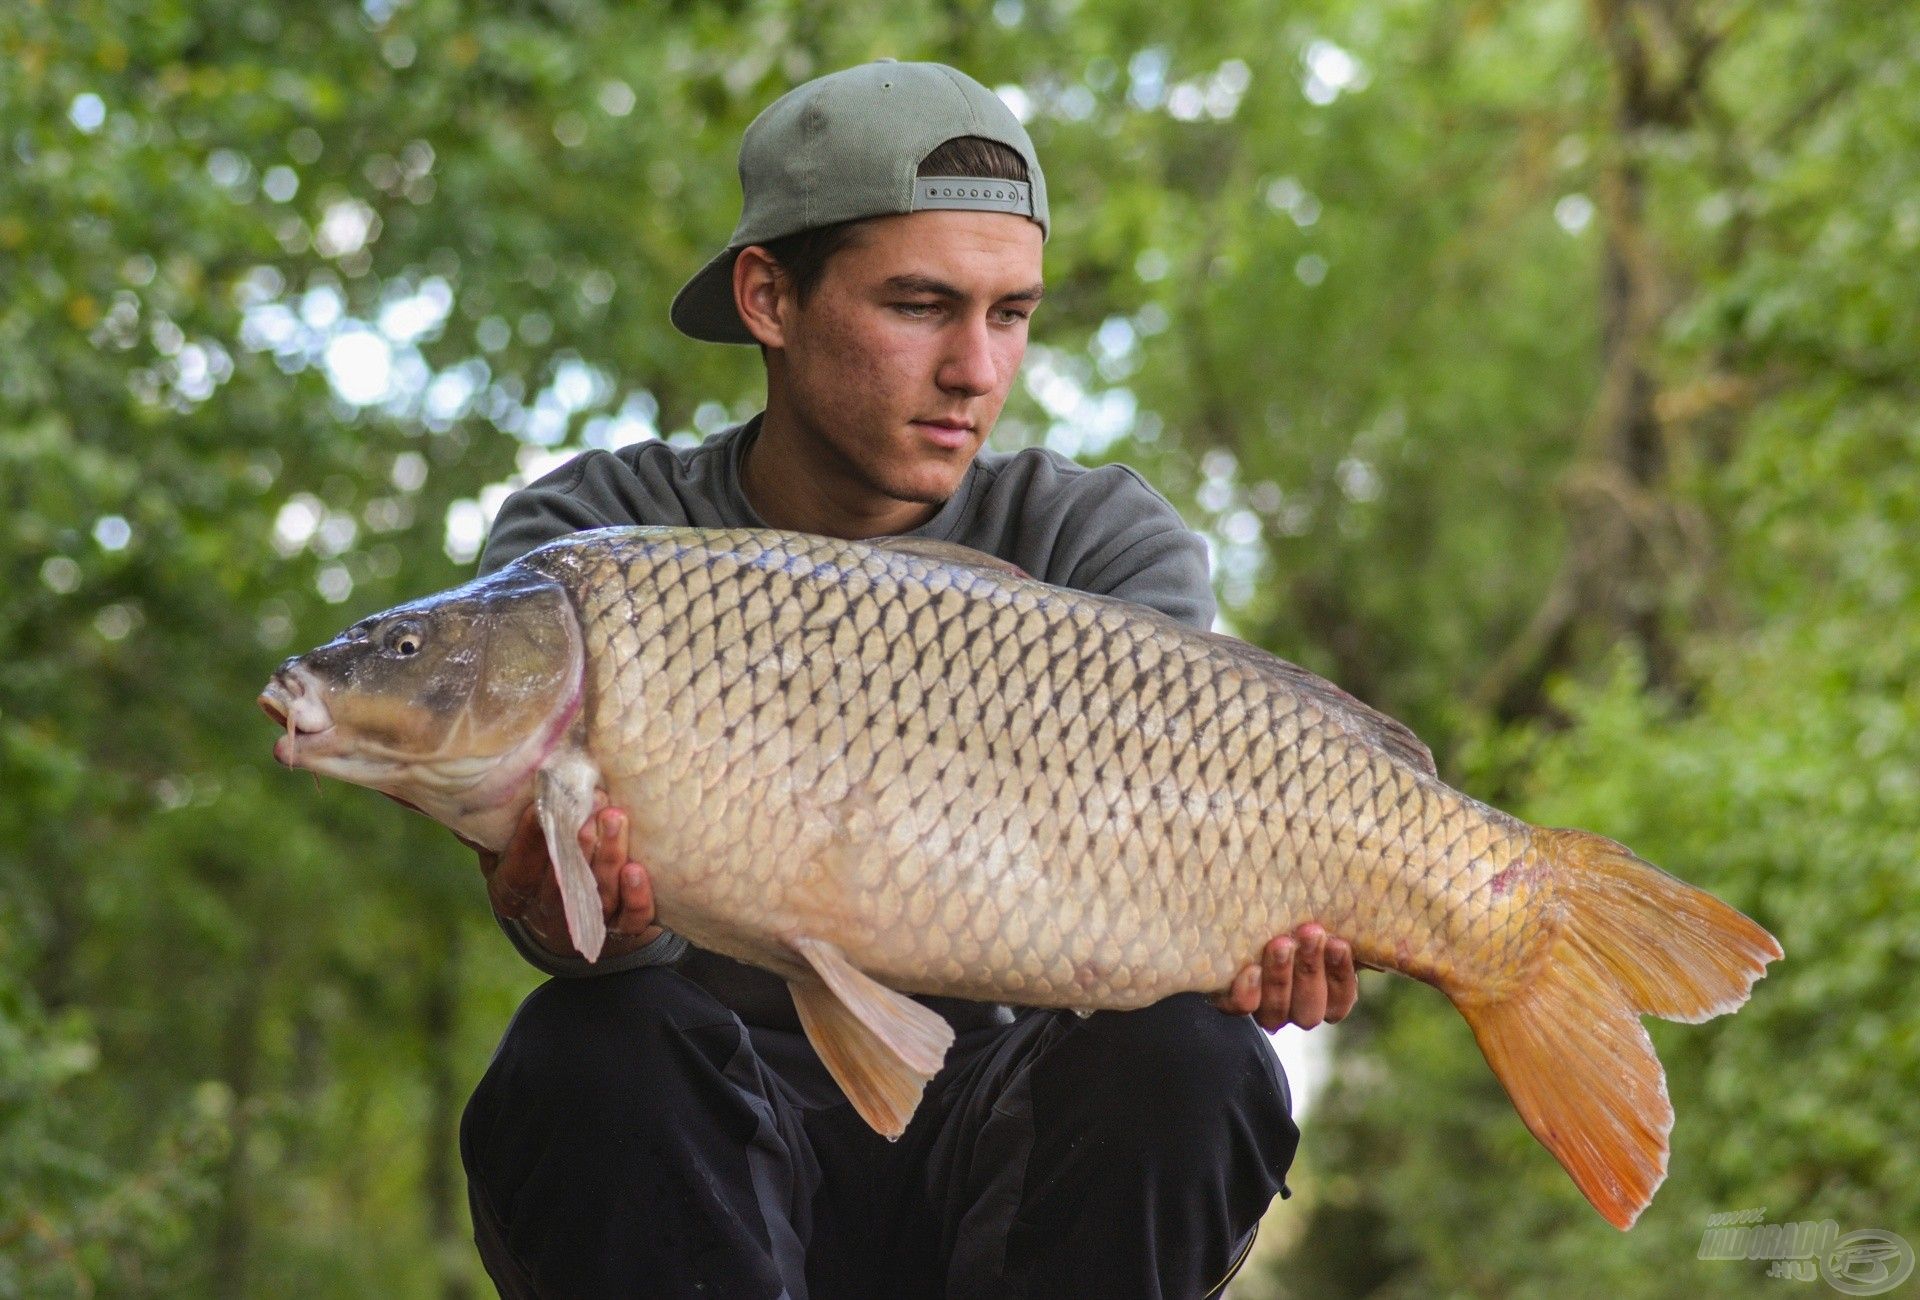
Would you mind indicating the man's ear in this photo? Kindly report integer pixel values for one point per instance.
(760, 295)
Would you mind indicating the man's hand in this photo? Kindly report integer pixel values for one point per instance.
(1303, 979)
(521, 883)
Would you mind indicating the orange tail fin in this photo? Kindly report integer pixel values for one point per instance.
(1569, 1048)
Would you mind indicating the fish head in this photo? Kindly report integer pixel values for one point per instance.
(448, 704)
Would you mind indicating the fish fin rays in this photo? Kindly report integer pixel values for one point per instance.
(1569, 1047)
(563, 796)
(1677, 951)
(881, 1047)
(1580, 1069)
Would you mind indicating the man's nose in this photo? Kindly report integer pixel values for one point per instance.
(969, 367)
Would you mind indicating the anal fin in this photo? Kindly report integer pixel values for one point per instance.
(881, 1047)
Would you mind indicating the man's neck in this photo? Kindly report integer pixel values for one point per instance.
(788, 485)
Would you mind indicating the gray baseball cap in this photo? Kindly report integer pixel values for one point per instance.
(849, 145)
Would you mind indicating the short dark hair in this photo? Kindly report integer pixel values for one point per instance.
(803, 256)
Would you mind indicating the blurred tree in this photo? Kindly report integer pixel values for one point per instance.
(1739, 624)
(1483, 341)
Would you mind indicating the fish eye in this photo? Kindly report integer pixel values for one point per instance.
(404, 638)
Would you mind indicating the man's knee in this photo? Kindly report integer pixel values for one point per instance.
(581, 1050)
(1168, 1125)
(1184, 1055)
(616, 1021)
(625, 1140)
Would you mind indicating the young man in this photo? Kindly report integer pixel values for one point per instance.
(663, 1128)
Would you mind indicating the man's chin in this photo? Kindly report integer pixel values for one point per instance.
(921, 474)
(924, 496)
(928, 485)
(926, 489)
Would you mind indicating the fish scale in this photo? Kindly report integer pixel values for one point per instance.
(1094, 747)
(902, 767)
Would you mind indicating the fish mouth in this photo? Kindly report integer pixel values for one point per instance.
(296, 702)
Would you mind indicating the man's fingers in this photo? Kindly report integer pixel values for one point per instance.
(1242, 997)
(1343, 985)
(635, 913)
(626, 892)
(1276, 984)
(613, 827)
(608, 857)
(1310, 978)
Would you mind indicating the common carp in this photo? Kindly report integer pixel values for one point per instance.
(895, 767)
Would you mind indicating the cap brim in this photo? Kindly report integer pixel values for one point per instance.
(703, 309)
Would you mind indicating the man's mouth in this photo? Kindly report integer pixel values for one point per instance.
(946, 433)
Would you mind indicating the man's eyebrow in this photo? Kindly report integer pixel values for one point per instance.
(941, 289)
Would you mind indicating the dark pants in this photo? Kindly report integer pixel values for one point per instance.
(632, 1138)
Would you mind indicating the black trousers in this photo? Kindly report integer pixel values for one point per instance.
(633, 1138)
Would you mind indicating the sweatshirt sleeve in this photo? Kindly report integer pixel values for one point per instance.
(543, 510)
(1127, 541)
(568, 500)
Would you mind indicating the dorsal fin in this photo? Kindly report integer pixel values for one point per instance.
(949, 553)
(1390, 734)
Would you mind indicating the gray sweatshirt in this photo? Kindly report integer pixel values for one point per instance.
(1099, 530)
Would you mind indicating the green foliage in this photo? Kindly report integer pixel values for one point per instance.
(1331, 273)
(1782, 778)
(69, 1219)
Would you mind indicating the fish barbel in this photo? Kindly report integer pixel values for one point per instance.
(905, 767)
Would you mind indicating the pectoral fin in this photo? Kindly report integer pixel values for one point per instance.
(880, 1046)
(563, 794)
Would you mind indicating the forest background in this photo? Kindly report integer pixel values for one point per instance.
(1544, 373)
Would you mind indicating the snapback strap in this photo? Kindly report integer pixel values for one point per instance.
(972, 193)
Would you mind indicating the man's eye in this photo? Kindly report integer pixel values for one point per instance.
(915, 308)
(1012, 315)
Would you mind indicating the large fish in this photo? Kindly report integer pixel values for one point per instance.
(905, 767)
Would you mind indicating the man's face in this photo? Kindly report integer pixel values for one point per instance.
(900, 360)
